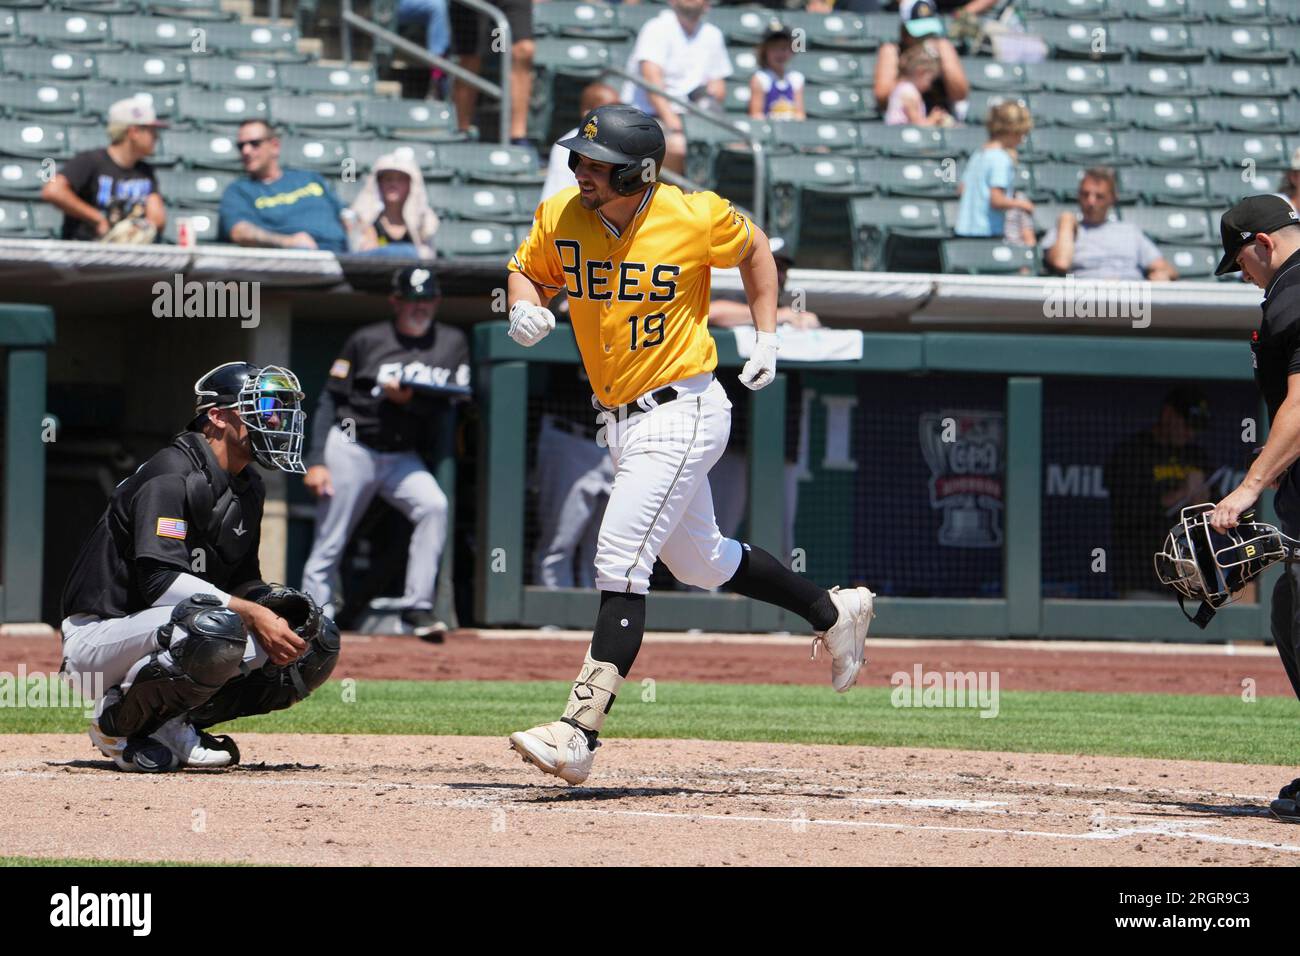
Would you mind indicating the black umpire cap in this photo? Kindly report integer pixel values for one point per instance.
(1254, 214)
(416, 283)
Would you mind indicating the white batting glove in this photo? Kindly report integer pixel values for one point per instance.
(529, 323)
(761, 367)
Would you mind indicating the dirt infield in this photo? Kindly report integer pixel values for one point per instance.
(761, 659)
(468, 800)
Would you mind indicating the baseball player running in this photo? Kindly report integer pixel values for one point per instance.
(165, 606)
(634, 256)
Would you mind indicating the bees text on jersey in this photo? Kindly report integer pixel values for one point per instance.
(638, 299)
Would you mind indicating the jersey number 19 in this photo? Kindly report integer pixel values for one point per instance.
(652, 330)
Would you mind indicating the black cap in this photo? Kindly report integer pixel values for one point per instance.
(1254, 214)
(1191, 403)
(416, 283)
(776, 30)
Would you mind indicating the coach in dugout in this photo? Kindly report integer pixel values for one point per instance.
(376, 415)
(1091, 245)
(277, 207)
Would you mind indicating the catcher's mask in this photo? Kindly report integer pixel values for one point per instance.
(268, 401)
(1212, 567)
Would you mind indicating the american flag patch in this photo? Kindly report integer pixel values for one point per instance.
(340, 368)
(171, 528)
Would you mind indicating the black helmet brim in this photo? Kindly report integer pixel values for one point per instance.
(596, 151)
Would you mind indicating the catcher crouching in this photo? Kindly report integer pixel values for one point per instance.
(165, 606)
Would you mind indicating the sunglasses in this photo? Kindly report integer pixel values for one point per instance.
(251, 143)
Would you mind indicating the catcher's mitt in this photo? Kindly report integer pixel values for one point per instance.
(304, 617)
(134, 230)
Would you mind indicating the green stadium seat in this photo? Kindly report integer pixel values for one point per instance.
(1159, 149)
(65, 28)
(1047, 213)
(986, 74)
(1066, 109)
(1159, 41)
(1055, 181)
(82, 138)
(29, 98)
(804, 171)
(142, 69)
(39, 63)
(836, 102)
(1062, 145)
(161, 34)
(991, 257)
(961, 141)
(208, 150)
(560, 18)
(1290, 115)
(1239, 114)
(96, 6)
(1193, 262)
(248, 40)
(632, 17)
(47, 221)
(1077, 39)
(479, 203)
(1267, 150)
(366, 152)
(203, 223)
(1227, 186)
(408, 119)
(17, 5)
(20, 178)
(320, 153)
(220, 107)
(527, 199)
(347, 190)
(902, 142)
(1066, 76)
(222, 73)
(194, 187)
(15, 217)
(185, 9)
(1160, 113)
(1234, 79)
(881, 27)
(312, 112)
(979, 102)
(476, 240)
(884, 226)
(1070, 9)
(33, 138)
(334, 80)
(735, 102)
(744, 63)
(835, 68)
(1177, 10)
(916, 178)
(833, 31)
(9, 29)
(1154, 79)
(812, 136)
(572, 56)
(744, 26)
(708, 144)
(97, 98)
(488, 163)
(1180, 224)
(1164, 186)
(1235, 11)
(1241, 42)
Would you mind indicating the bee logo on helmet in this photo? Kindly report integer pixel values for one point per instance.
(589, 131)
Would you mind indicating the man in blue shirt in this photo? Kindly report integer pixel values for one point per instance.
(277, 207)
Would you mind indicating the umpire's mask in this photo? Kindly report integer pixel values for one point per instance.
(1212, 567)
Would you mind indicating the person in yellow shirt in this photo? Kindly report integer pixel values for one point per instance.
(634, 256)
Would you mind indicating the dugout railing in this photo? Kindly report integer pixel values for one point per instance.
(1027, 374)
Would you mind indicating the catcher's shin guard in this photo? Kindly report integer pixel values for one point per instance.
(200, 649)
(273, 687)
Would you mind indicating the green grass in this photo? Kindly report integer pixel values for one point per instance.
(1217, 728)
(87, 861)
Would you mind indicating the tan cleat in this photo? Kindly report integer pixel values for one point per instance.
(557, 748)
(847, 638)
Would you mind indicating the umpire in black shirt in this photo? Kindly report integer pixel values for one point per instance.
(1261, 237)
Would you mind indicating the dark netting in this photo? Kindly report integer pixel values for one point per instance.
(1120, 460)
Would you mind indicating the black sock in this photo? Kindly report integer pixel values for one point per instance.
(616, 639)
(764, 578)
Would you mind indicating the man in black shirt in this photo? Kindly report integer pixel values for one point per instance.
(100, 188)
(375, 416)
(1151, 476)
(154, 607)
(1261, 237)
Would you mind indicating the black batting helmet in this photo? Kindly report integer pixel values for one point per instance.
(621, 135)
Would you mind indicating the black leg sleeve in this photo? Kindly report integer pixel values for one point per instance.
(620, 625)
(1285, 626)
(764, 578)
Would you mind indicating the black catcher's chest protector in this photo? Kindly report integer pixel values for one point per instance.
(227, 521)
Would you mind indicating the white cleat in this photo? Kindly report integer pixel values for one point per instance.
(195, 748)
(846, 639)
(556, 748)
(134, 755)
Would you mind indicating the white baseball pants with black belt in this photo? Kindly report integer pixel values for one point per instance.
(661, 504)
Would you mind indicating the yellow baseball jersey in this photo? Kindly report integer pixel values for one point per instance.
(639, 299)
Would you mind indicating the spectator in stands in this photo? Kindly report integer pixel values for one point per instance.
(1291, 192)
(921, 26)
(775, 90)
(987, 184)
(558, 174)
(681, 54)
(277, 207)
(112, 193)
(1091, 245)
(1151, 476)
(918, 70)
(437, 35)
(392, 211)
(466, 34)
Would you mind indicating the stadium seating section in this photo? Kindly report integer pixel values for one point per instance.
(1194, 102)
